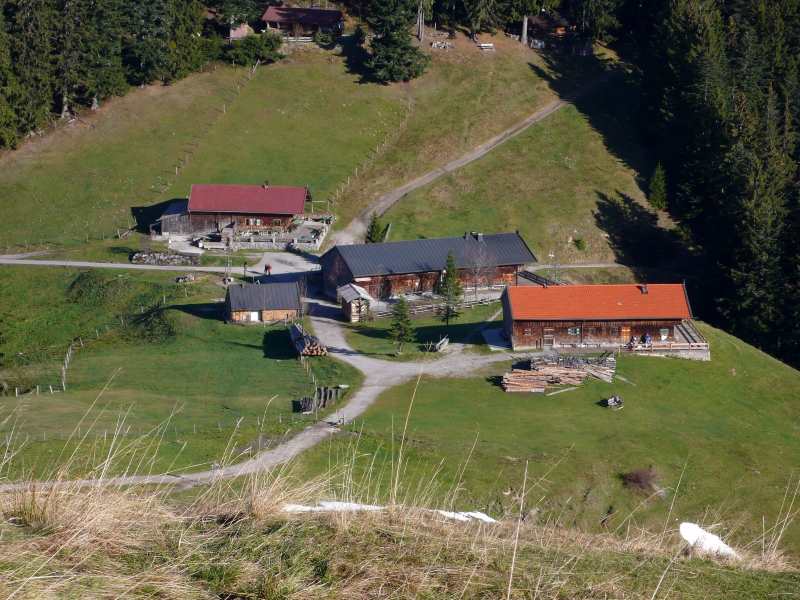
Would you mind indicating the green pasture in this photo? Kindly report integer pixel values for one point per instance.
(188, 384)
(721, 436)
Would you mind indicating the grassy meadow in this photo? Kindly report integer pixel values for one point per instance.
(558, 183)
(464, 98)
(200, 385)
(302, 121)
(722, 438)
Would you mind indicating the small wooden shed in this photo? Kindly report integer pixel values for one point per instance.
(263, 303)
(355, 302)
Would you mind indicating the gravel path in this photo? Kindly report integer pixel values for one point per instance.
(283, 263)
(379, 375)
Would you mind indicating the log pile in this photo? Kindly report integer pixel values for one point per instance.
(305, 344)
(560, 370)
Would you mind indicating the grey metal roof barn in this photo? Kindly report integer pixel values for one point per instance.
(427, 255)
(264, 296)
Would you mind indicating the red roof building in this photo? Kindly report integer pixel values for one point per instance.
(245, 207)
(303, 21)
(542, 317)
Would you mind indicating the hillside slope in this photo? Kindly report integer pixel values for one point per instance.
(722, 438)
(105, 543)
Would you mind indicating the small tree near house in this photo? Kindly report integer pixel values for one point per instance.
(375, 230)
(451, 290)
(401, 330)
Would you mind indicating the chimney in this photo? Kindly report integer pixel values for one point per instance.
(644, 289)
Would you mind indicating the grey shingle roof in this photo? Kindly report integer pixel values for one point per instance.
(419, 256)
(265, 296)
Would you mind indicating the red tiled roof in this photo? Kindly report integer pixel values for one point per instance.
(598, 302)
(247, 199)
(304, 16)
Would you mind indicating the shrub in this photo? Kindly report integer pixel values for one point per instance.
(580, 244)
(254, 48)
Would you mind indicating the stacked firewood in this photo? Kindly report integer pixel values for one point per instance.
(305, 344)
(561, 370)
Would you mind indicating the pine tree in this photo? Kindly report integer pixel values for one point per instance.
(401, 329)
(480, 14)
(146, 53)
(375, 230)
(185, 51)
(451, 290)
(392, 57)
(658, 188)
(33, 50)
(9, 93)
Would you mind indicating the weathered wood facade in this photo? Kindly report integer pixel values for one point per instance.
(261, 222)
(587, 316)
(415, 266)
(262, 316)
(543, 335)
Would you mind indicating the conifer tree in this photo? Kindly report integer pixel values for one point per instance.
(34, 35)
(392, 56)
(401, 330)
(451, 290)
(658, 188)
(375, 230)
(9, 93)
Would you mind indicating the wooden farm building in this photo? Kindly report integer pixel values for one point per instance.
(355, 302)
(299, 22)
(263, 303)
(394, 268)
(633, 316)
(237, 208)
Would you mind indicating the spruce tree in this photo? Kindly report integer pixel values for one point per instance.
(392, 56)
(375, 230)
(9, 93)
(33, 50)
(146, 53)
(401, 329)
(451, 290)
(658, 188)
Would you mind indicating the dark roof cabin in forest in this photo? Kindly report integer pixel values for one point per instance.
(303, 21)
(415, 265)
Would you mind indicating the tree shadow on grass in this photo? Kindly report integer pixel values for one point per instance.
(204, 310)
(653, 253)
(355, 59)
(277, 345)
(610, 101)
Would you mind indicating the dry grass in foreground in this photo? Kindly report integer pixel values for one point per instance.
(233, 540)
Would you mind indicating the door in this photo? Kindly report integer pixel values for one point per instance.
(254, 316)
(624, 335)
(548, 338)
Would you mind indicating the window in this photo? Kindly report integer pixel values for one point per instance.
(574, 331)
(258, 222)
(664, 334)
(276, 221)
(527, 331)
(614, 331)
